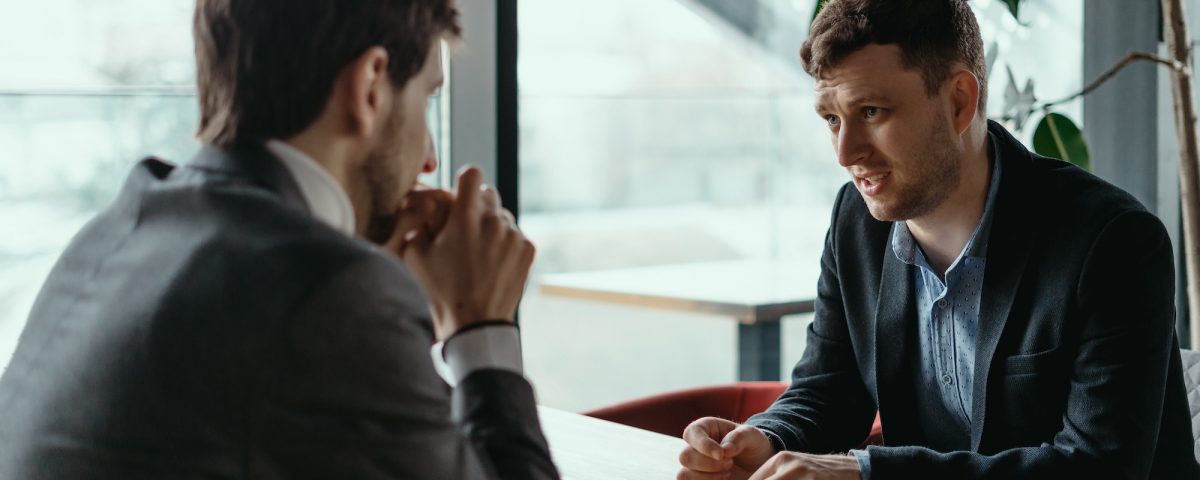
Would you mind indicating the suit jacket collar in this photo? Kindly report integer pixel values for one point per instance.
(253, 164)
(1008, 251)
(895, 314)
(895, 339)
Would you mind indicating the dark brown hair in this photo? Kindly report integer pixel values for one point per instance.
(932, 35)
(265, 68)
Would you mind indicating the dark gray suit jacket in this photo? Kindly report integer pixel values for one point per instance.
(207, 326)
(1077, 369)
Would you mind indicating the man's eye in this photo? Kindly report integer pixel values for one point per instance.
(832, 120)
(871, 111)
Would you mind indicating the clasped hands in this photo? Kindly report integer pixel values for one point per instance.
(721, 449)
(468, 254)
(465, 250)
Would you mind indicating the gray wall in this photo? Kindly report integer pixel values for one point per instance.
(1128, 122)
(473, 91)
(1121, 117)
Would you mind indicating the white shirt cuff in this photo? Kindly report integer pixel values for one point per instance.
(495, 347)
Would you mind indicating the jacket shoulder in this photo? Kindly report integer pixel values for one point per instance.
(1074, 207)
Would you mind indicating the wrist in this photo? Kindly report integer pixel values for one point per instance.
(449, 321)
(773, 439)
(460, 314)
(477, 325)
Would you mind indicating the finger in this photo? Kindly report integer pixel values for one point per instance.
(528, 253)
(417, 211)
(686, 474)
(413, 252)
(518, 259)
(509, 218)
(519, 264)
(698, 435)
(493, 227)
(398, 242)
(737, 440)
(764, 473)
(443, 201)
(419, 198)
(489, 196)
(692, 459)
(414, 244)
(467, 190)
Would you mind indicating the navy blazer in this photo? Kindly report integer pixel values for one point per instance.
(207, 326)
(1077, 369)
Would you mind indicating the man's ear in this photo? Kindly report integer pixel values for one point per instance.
(364, 86)
(964, 98)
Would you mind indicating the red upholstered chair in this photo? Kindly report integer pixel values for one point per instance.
(669, 413)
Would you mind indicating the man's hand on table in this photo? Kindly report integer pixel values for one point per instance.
(466, 252)
(803, 466)
(721, 449)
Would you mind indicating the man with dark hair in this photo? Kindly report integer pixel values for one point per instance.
(264, 310)
(1008, 315)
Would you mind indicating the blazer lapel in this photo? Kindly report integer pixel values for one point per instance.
(1009, 245)
(255, 164)
(895, 340)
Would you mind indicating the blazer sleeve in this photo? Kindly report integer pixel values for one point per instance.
(1118, 375)
(827, 408)
(350, 391)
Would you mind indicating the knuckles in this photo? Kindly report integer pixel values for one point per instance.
(685, 458)
(787, 462)
(491, 224)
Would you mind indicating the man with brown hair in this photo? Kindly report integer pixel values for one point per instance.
(264, 310)
(1008, 315)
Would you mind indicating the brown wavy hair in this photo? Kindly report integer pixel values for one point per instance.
(933, 35)
(265, 68)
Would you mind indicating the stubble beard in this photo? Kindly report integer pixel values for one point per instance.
(935, 177)
(382, 179)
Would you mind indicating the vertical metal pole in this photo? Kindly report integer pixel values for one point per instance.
(758, 350)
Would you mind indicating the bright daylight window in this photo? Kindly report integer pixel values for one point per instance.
(653, 132)
(86, 90)
(667, 132)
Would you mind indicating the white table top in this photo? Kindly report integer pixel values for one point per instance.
(748, 290)
(586, 448)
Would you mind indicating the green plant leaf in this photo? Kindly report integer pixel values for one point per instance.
(1014, 7)
(1057, 136)
(817, 10)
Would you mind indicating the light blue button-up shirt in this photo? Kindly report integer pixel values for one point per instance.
(947, 314)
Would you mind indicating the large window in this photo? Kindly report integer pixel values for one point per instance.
(86, 90)
(657, 132)
(652, 132)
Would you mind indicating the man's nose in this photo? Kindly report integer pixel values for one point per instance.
(431, 161)
(851, 145)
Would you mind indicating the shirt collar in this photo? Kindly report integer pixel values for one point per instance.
(905, 247)
(326, 199)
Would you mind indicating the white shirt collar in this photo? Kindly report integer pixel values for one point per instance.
(327, 200)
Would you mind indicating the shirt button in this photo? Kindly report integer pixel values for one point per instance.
(942, 303)
(947, 380)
